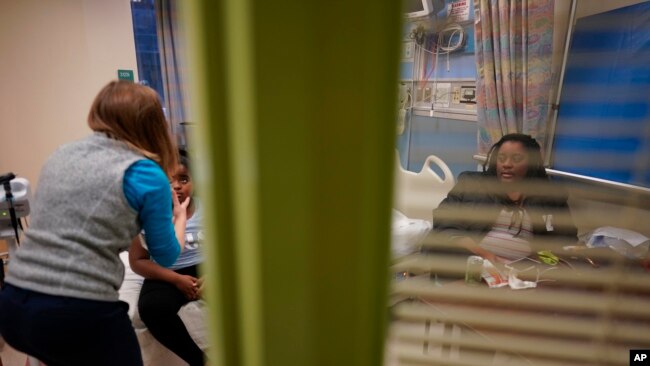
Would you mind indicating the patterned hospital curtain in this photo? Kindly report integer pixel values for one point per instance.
(513, 58)
(172, 66)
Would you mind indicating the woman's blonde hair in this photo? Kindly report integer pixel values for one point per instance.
(132, 113)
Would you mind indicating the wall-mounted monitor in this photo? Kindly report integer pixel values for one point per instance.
(417, 8)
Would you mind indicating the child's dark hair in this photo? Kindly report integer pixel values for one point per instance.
(184, 158)
(535, 162)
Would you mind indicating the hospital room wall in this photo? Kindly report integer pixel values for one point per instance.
(455, 140)
(54, 58)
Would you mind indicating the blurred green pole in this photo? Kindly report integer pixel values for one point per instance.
(295, 107)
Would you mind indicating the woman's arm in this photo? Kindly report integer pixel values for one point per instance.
(145, 267)
(471, 245)
(147, 189)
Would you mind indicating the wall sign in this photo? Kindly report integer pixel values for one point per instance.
(458, 11)
(125, 75)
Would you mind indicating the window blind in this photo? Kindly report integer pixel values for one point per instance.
(591, 308)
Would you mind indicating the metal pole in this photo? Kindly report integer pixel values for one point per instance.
(556, 106)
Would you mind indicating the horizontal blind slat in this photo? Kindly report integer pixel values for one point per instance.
(547, 299)
(619, 277)
(411, 356)
(564, 349)
(529, 322)
(546, 324)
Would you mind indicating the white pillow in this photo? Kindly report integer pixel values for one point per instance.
(629, 243)
(407, 234)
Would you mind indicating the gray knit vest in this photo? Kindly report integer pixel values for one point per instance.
(80, 222)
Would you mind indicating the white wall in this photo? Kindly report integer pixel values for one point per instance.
(54, 58)
(55, 55)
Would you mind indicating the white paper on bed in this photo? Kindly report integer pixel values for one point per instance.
(626, 242)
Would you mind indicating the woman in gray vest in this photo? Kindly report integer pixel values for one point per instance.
(60, 301)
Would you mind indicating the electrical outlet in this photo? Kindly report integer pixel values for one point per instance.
(455, 95)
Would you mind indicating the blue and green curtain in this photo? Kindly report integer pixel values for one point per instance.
(513, 45)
